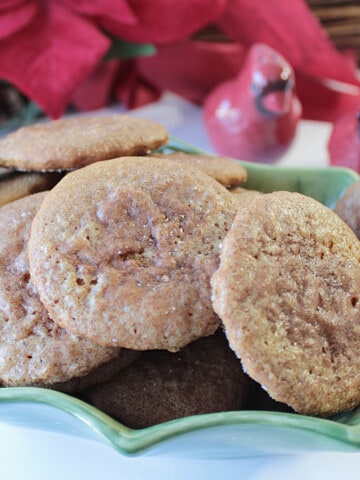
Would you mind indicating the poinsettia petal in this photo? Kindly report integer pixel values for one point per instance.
(292, 29)
(10, 4)
(115, 10)
(47, 59)
(131, 89)
(94, 92)
(191, 68)
(165, 20)
(323, 103)
(14, 19)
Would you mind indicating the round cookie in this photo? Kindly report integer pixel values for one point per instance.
(244, 196)
(16, 185)
(203, 377)
(74, 142)
(226, 171)
(33, 349)
(348, 207)
(104, 373)
(287, 291)
(122, 252)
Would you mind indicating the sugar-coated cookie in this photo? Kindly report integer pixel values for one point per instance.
(244, 196)
(15, 185)
(122, 252)
(288, 291)
(74, 142)
(226, 171)
(33, 349)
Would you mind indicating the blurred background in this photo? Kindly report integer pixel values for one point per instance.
(62, 57)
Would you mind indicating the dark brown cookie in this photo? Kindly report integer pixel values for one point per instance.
(203, 377)
(98, 375)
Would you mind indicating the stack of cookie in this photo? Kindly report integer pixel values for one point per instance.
(147, 282)
(138, 240)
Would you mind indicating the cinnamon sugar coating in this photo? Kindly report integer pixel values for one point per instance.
(15, 185)
(74, 142)
(122, 252)
(33, 349)
(226, 171)
(287, 291)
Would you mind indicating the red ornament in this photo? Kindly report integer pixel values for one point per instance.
(254, 117)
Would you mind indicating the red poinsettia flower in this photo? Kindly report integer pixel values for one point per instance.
(162, 21)
(186, 67)
(191, 68)
(293, 30)
(53, 51)
(47, 49)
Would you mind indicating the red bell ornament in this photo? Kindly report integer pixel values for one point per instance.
(254, 117)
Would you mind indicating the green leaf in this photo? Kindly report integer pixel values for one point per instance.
(31, 113)
(127, 50)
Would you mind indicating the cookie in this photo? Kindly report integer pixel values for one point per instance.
(4, 171)
(287, 291)
(122, 252)
(74, 142)
(33, 349)
(104, 373)
(203, 377)
(226, 171)
(15, 185)
(244, 196)
(348, 207)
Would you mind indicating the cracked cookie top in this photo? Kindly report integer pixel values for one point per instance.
(287, 291)
(33, 349)
(122, 252)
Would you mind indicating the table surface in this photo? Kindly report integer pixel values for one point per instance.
(27, 454)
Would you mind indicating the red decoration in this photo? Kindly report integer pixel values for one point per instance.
(254, 117)
(53, 51)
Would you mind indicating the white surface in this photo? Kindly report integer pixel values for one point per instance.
(27, 454)
(184, 121)
(37, 455)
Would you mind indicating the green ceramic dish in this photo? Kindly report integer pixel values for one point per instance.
(217, 435)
